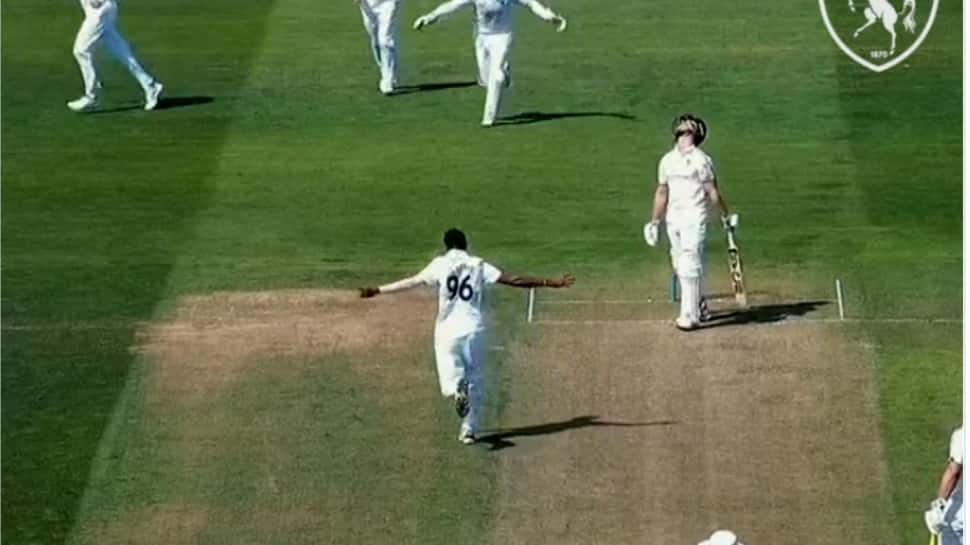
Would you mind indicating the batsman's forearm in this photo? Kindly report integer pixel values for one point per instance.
(949, 480)
(659, 204)
(717, 199)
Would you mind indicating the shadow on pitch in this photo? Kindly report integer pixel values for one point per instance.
(164, 103)
(527, 118)
(426, 87)
(500, 439)
(762, 314)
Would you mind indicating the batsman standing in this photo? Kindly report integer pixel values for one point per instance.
(380, 21)
(493, 38)
(686, 188)
(459, 332)
(100, 26)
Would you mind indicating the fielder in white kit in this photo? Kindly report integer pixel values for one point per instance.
(459, 332)
(493, 38)
(380, 21)
(100, 26)
(687, 186)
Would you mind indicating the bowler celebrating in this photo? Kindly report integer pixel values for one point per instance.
(460, 279)
(493, 37)
(99, 26)
(686, 186)
(380, 21)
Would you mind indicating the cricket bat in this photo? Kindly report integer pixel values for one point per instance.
(736, 268)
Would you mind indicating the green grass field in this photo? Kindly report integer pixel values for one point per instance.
(284, 169)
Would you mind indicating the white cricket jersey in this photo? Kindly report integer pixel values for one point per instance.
(685, 173)
(956, 446)
(460, 279)
(494, 16)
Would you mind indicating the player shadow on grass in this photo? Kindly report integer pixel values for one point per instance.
(762, 314)
(499, 439)
(164, 103)
(425, 87)
(527, 118)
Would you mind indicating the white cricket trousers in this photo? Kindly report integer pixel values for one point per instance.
(494, 71)
(687, 257)
(460, 357)
(380, 21)
(99, 26)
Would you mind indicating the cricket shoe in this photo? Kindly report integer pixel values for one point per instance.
(685, 324)
(83, 104)
(462, 404)
(466, 437)
(705, 312)
(151, 95)
(386, 87)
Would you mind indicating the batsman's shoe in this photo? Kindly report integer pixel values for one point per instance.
(466, 436)
(685, 324)
(705, 313)
(386, 87)
(151, 95)
(462, 404)
(83, 104)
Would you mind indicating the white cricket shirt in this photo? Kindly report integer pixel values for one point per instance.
(460, 279)
(494, 16)
(685, 173)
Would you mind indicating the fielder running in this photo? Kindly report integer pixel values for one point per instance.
(944, 518)
(380, 21)
(100, 26)
(493, 38)
(460, 279)
(687, 186)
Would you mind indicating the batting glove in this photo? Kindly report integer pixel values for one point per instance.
(933, 517)
(729, 221)
(651, 233)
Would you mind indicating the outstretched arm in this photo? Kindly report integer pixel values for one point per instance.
(408, 283)
(442, 10)
(517, 281)
(543, 12)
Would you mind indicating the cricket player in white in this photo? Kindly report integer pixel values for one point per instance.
(493, 38)
(100, 26)
(460, 280)
(945, 517)
(380, 21)
(687, 186)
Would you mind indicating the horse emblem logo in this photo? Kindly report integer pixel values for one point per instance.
(856, 31)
